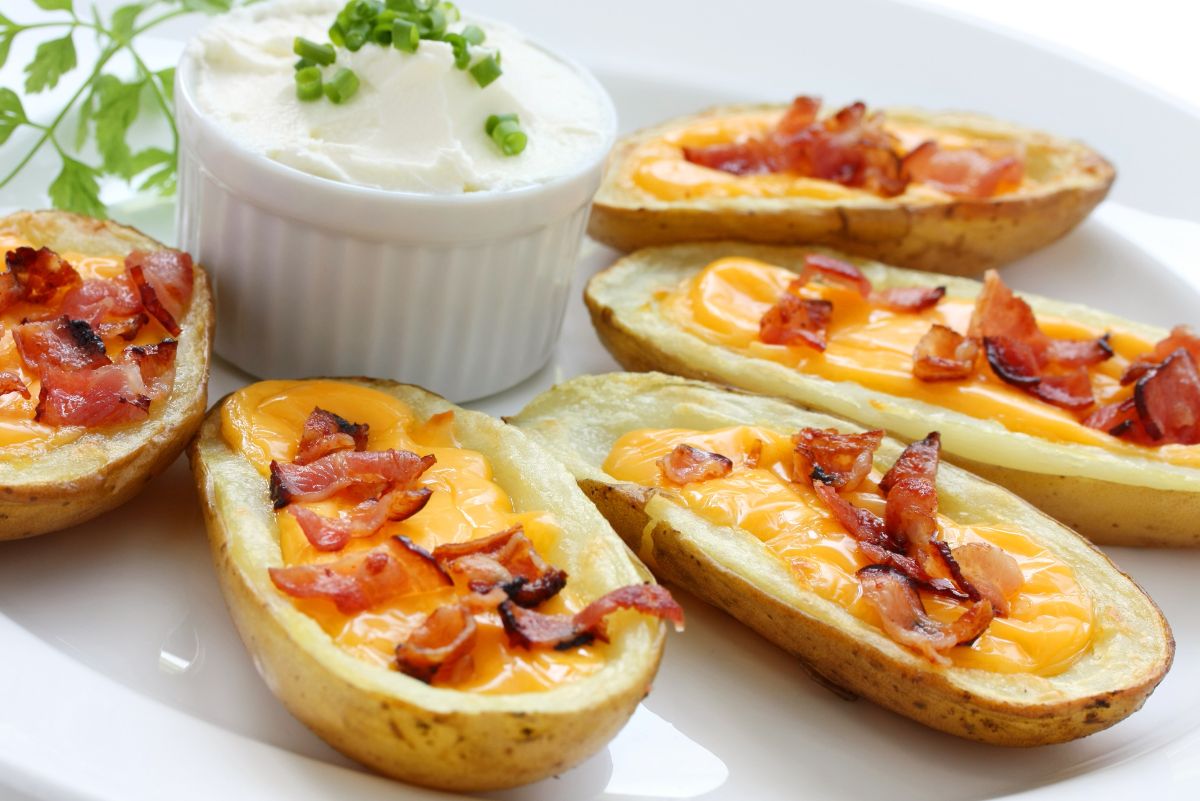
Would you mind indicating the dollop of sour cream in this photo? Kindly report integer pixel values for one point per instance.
(416, 123)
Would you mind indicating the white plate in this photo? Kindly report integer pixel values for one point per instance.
(123, 679)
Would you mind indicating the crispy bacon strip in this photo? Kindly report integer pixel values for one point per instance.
(359, 581)
(794, 320)
(332, 533)
(324, 477)
(972, 172)
(818, 265)
(868, 530)
(164, 279)
(840, 460)
(1017, 363)
(110, 305)
(440, 648)
(529, 629)
(1181, 336)
(909, 298)
(325, 432)
(60, 343)
(943, 354)
(992, 572)
(111, 394)
(686, 465)
(1168, 400)
(35, 276)
(1121, 420)
(894, 596)
(506, 560)
(151, 303)
(10, 381)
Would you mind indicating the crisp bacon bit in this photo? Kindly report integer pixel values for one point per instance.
(1071, 390)
(1016, 363)
(126, 328)
(325, 432)
(529, 629)
(943, 354)
(1120, 420)
(506, 560)
(817, 265)
(109, 395)
(894, 596)
(1168, 400)
(1080, 352)
(975, 172)
(992, 572)
(111, 306)
(909, 298)
(850, 147)
(151, 302)
(36, 276)
(359, 581)
(155, 364)
(918, 460)
(169, 274)
(840, 460)
(867, 529)
(440, 648)
(685, 465)
(332, 533)
(372, 471)
(1181, 336)
(60, 343)
(10, 381)
(796, 320)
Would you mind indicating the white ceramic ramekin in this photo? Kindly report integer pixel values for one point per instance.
(463, 294)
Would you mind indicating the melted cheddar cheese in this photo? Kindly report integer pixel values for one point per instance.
(19, 432)
(263, 422)
(873, 347)
(657, 167)
(1050, 625)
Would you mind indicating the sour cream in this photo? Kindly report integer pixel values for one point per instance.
(416, 123)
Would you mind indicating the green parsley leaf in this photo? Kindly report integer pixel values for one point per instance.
(163, 181)
(123, 20)
(208, 6)
(117, 108)
(166, 81)
(12, 113)
(52, 60)
(150, 157)
(76, 189)
(54, 5)
(6, 40)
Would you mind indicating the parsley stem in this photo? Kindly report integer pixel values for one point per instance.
(152, 79)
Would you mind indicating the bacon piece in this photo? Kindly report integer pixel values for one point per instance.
(972, 172)
(909, 298)
(324, 477)
(1168, 400)
(10, 381)
(840, 460)
(894, 596)
(111, 306)
(359, 581)
(1016, 363)
(943, 354)
(151, 303)
(155, 364)
(835, 270)
(795, 320)
(868, 530)
(439, 649)
(168, 276)
(107, 395)
(992, 572)
(506, 560)
(36, 276)
(918, 460)
(332, 533)
(60, 343)
(325, 432)
(685, 465)
(1181, 336)
(1072, 390)
(751, 157)
(1121, 420)
(529, 629)
(1079, 352)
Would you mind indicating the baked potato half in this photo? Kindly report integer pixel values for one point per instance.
(1112, 496)
(427, 734)
(1131, 649)
(64, 484)
(921, 228)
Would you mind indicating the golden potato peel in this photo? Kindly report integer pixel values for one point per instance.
(1111, 497)
(956, 236)
(397, 725)
(1132, 647)
(104, 468)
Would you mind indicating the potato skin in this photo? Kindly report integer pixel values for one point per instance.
(1010, 710)
(396, 725)
(956, 236)
(1111, 498)
(103, 469)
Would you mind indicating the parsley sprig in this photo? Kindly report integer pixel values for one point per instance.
(104, 105)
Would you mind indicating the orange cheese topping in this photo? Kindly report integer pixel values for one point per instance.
(658, 168)
(873, 347)
(263, 422)
(19, 433)
(1050, 625)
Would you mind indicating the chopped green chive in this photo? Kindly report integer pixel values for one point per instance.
(357, 35)
(405, 36)
(322, 54)
(505, 131)
(382, 34)
(302, 63)
(308, 83)
(486, 70)
(474, 34)
(433, 23)
(342, 86)
(462, 52)
(337, 35)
